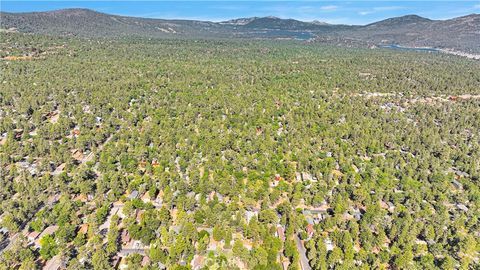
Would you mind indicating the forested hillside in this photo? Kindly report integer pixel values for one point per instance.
(190, 154)
(459, 34)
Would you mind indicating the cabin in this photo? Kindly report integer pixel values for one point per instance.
(124, 237)
(276, 181)
(328, 244)
(32, 236)
(47, 231)
(83, 229)
(310, 231)
(145, 261)
(3, 138)
(249, 215)
(145, 197)
(462, 207)
(457, 184)
(197, 262)
(280, 233)
(54, 263)
(77, 154)
(133, 195)
(357, 214)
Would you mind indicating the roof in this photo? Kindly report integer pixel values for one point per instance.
(281, 232)
(33, 235)
(310, 229)
(197, 262)
(145, 261)
(133, 195)
(83, 228)
(49, 230)
(53, 264)
(125, 236)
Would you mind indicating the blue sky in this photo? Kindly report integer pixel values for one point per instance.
(345, 12)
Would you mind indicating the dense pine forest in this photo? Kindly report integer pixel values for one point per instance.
(236, 154)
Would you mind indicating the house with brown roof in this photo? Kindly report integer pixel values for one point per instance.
(54, 263)
(77, 154)
(197, 262)
(145, 261)
(125, 237)
(48, 231)
(310, 230)
(280, 233)
(32, 236)
(83, 228)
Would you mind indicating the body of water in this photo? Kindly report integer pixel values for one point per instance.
(398, 47)
(299, 35)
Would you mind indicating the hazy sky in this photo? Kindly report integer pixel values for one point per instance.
(346, 12)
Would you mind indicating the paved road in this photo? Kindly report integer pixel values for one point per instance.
(302, 251)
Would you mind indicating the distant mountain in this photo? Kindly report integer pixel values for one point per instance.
(239, 21)
(462, 33)
(89, 23)
(407, 20)
(277, 23)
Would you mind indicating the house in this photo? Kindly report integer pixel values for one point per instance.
(48, 231)
(145, 261)
(357, 214)
(53, 199)
(155, 163)
(83, 229)
(462, 207)
(391, 206)
(280, 233)
(191, 194)
(98, 121)
(81, 197)
(32, 236)
(77, 154)
(457, 184)
(53, 116)
(307, 176)
(138, 217)
(161, 266)
(133, 195)
(310, 230)
(337, 173)
(3, 138)
(146, 197)
(285, 264)
(310, 220)
(31, 168)
(176, 228)
(17, 133)
(458, 173)
(76, 132)
(123, 264)
(249, 215)
(212, 245)
(116, 262)
(125, 237)
(197, 262)
(54, 263)
(328, 244)
(298, 177)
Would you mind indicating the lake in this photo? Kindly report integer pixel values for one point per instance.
(398, 47)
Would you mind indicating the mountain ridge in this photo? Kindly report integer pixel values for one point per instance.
(460, 33)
